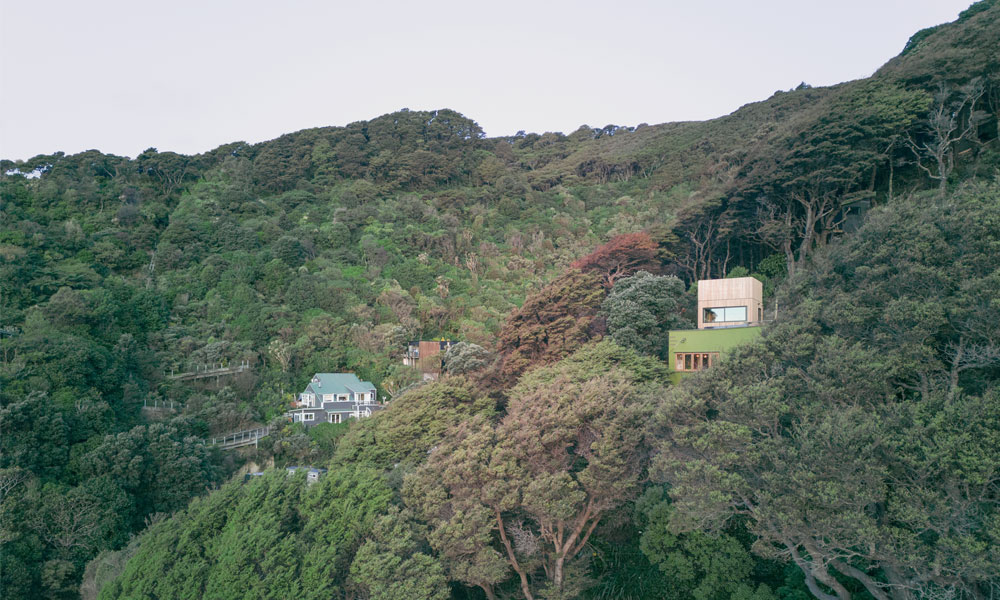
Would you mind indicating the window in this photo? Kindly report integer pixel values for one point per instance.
(342, 398)
(335, 417)
(307, 399)
(308, 417)
(327, 397)
(725, 314)
(694, 361)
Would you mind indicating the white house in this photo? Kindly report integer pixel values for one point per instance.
(334, 398)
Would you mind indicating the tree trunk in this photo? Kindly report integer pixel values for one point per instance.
(786, 246)
(557, 572)
(488, 590)
(870, 584)
(525, 588)
(942, 175)
(815, 572)
(899, 586)
(891, 172)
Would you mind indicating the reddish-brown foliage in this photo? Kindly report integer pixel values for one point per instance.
(622, 256)
(551, 324)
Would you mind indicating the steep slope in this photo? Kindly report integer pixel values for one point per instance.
(328, 248)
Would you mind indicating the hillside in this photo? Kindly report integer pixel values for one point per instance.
(327, 249)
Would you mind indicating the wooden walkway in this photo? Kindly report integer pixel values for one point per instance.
(214, 370)
(239, 439)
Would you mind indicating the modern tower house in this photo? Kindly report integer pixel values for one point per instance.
(730, 312)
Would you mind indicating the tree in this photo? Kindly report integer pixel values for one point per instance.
(413, 424)
(879, 492)
(274, 536)
(697, 565)
(389, 565)
(340, 509)
(80, 520)
(552, 323)
(256, 550)
(35, 439)
(465, 357)
(839, 436)
(953, 118)
(642, 309)
(697, 237)
(104, 568)
(567, 452)
(282, 352)
(795, 192)
(159, 468)
(622, 256)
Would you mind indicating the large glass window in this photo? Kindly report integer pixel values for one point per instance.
(694, 361)
(725, 314)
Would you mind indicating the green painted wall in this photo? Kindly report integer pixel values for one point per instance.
(707, 340)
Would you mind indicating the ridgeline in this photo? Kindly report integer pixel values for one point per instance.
(853, 452)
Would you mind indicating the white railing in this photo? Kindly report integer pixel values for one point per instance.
(212, 370)
(160, 404)
(240, 438)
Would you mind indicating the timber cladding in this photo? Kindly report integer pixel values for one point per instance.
(747, 292)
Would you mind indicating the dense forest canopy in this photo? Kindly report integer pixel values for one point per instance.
(852, 453)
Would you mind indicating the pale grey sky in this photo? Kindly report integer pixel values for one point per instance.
(184, 75)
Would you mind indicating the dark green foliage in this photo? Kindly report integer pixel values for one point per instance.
(342, 508)
(642, 309)
(841, 425)
(273, 537)
(390, 566)
(158, 468)
(414, 423)
(34, 438)
(697, 565)
(328, 249)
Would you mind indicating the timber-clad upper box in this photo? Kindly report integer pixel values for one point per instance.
(732, 302)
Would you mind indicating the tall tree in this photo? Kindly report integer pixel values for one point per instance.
(622, 256)
(642, 309)
(568, 451)
(838, 437)
(552, 323)
(953, 118)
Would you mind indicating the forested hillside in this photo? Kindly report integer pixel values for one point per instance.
(852, 453)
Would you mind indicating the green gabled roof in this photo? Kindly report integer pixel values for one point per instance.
(337, 383)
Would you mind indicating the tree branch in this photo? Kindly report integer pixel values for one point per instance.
(513, 559)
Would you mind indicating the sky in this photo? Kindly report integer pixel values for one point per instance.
(188, 76)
